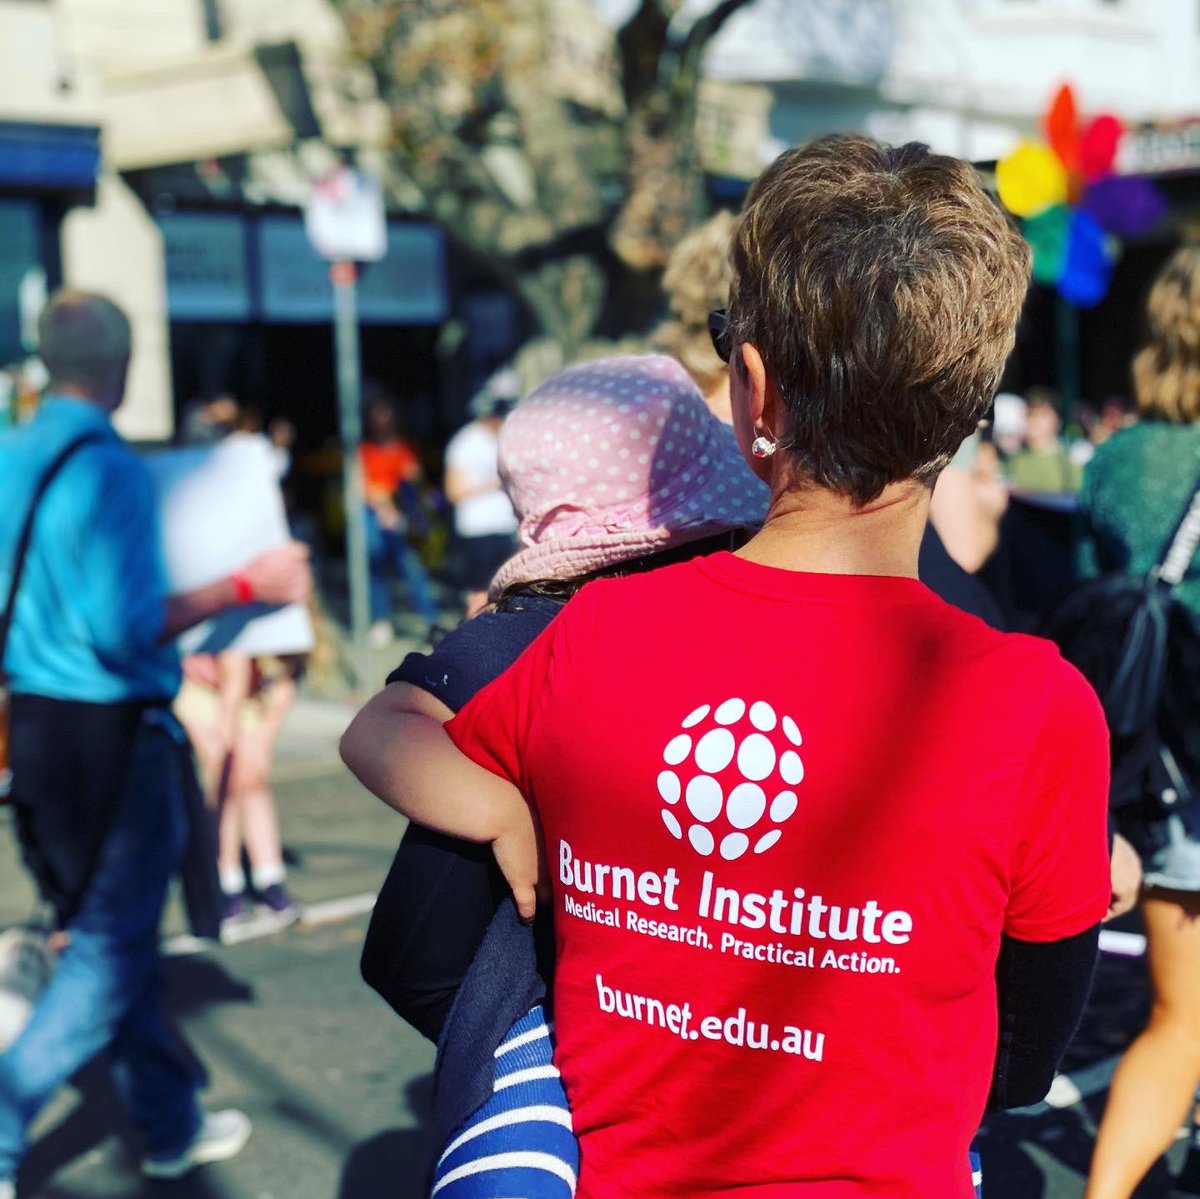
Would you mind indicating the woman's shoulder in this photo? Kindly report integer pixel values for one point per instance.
(1148, 450)
(1147, 439)
(1115, 449)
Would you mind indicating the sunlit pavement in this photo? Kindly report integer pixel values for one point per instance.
(339, 1089)
(335, 1084)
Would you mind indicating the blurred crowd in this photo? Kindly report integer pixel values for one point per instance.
(681, 545)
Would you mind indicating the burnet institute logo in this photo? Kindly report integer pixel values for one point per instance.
(734, 767)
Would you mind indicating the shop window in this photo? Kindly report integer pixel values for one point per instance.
(22, 281)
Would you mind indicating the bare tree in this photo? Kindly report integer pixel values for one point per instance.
(569, 187)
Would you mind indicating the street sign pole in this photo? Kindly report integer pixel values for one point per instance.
(346, 224)
(349, 378)
(1068, 359)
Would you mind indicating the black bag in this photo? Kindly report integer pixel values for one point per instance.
(18, 569)
(69, 761)
(1139, 647)
(63, 759)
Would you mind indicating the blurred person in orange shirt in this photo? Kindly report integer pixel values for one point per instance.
(388, 463)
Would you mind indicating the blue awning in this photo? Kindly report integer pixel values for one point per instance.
(58, 157)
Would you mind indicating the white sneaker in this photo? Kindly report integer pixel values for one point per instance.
(222, 1135)
(8, 1190)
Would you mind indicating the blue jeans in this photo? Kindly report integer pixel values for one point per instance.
(389, 554)
(107, 990)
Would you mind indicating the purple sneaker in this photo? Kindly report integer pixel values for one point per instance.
(279, 903)
(237, 907)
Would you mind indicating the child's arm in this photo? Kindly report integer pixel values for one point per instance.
(399, 750)
(370, 745)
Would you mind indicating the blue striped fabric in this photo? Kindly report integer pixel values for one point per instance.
(520, 1143)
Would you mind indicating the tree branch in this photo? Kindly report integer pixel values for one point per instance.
(691, 53)
(640, 44)
(709, 25)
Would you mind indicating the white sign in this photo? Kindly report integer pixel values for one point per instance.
(1160, 149)
(344, 217)
(221, 506)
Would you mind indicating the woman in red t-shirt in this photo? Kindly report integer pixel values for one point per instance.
(791, 803)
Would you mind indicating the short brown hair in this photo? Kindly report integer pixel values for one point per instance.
(1166, 373)
(882, 288)
(84, 339)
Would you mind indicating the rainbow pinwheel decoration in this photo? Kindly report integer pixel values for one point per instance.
(1073, 208)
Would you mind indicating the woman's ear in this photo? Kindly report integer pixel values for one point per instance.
(757, 411)
(753, 372)
(763, 404)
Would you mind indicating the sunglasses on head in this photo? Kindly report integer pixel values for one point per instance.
(718, 330)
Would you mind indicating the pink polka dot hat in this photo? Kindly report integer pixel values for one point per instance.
(617, 458)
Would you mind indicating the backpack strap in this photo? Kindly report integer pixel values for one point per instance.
(26, 535)
(1181, 549)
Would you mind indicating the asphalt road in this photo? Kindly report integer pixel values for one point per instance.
(339, 1090)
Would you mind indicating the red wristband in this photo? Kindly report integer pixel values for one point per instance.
(243, 588)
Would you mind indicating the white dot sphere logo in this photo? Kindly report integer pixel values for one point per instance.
(729, 777)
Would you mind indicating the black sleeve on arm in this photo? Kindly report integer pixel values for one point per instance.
(1041, 989)
(441, 893)
(477, 652)
(433, 910)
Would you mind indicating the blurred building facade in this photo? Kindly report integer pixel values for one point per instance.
(965, 76)
(162, 152)
(205, 122)
(49, 164)
(971, 77)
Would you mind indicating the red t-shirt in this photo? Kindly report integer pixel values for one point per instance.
(386, 466)
(787, 817)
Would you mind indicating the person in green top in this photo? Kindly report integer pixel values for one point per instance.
(1134, 491)
(1044, 464)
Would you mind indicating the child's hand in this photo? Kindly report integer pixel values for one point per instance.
(518, 854)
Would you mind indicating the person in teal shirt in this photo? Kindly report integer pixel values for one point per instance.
(91, 671)
(92, 604)
(1133, 493)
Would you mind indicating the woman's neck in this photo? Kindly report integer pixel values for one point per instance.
(816, 530)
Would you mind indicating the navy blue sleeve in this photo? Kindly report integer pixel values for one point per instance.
(1041, 989)
(440, 894)
(478, 651)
